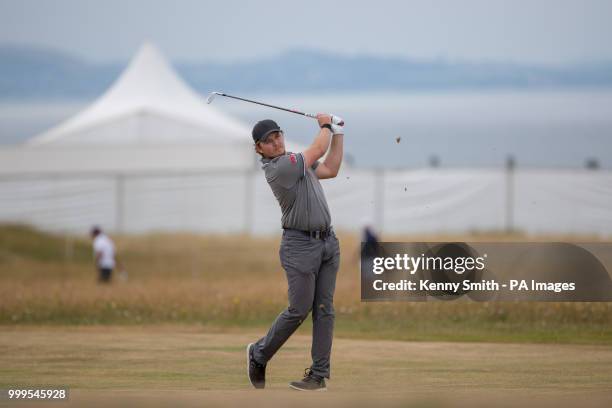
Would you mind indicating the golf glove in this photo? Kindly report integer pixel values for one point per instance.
(337, 125)
(337, 120)
(337, 129)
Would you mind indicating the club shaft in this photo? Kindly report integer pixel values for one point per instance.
(267, 104)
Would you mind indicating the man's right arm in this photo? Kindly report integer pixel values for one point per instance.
(321, 143)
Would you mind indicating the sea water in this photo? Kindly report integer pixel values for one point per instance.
(554, 128)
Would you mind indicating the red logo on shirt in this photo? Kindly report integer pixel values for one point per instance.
(293, 158)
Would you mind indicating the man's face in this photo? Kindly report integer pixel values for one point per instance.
(272, 146)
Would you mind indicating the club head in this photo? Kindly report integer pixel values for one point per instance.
(212, 96)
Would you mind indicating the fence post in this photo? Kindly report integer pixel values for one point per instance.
(249, 202)
(510, 165)
(119, 202)
(379, 198)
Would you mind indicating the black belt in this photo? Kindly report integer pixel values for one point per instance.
(322, 234)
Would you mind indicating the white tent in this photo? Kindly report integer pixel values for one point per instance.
(148, 120)
(149, 154)
(148, 105)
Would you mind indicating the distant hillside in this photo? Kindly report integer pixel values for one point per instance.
(28, 73)
(34, 73)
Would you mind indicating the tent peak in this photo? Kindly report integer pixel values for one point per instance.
(148, 84)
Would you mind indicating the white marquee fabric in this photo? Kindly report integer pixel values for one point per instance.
(148, 105)
(240, 201)
(148, 121)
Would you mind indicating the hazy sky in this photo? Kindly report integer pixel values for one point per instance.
(540, 31)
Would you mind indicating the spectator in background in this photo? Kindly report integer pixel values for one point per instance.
(370, 241)
(104, 255)
(369, 248)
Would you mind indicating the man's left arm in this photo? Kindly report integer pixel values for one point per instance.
(331, 165)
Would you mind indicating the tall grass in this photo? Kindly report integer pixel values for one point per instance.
(226, 281)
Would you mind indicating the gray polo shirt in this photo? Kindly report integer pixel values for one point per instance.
(298, 192)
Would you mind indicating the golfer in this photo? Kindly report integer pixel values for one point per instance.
(309, 250)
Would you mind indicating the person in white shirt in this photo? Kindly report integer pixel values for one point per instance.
(104, 254)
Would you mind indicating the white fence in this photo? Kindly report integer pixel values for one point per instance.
(397, 201)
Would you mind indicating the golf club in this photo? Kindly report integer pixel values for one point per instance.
(336, 120)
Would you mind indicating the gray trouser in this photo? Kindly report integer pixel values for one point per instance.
(311, 266)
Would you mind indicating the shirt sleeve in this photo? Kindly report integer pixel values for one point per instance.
(286, 170)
